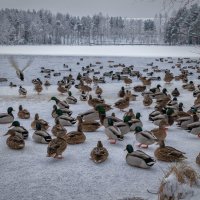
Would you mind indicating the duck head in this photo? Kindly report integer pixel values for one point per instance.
(138, 115)
(70, 93)
(129, 148)
(38, 127)
(20, 108)
(54, 99)
(138, 129)
(99, 144)
(9, 110)
(59, 112)
(15, 124)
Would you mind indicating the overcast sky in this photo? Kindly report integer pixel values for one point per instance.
(124, 8)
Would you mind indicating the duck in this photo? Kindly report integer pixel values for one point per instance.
(19, 129)
(99, 153)
(121, 93)
(155, 89)
(23, 113)
(147, 101)
(12, 84)
(38, 88)
(58, 128)
(91, 114)
(6, 118)
(175, 93)
(83, 96)
(65, 111)
(59, 103)
(47, 83)
(194, 128)
(129, 115)
(62, 89)
(88, 125)
(122, 103)
(145, 138)
(71, 99)
(44, 124)
(133, 123)
(132, 97)
(139, 88)
(57, 146)
(94, 101)
(64, 120)
(168, 154)
(138, 158)
(168, 77)
(41, 136)
(198, 159)
(76, 137)
(22, 91)
(15, 140)
(127, 81)
(98, 90)
(197, 100)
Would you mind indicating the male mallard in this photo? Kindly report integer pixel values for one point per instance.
(6, 118)
(76, 137)
(88, 125)
(145, 138)
(99, 154)
(57, 146)
(23, 113)
(22, 91)
(65, 120)
(168, 154)
(65, 111)
(71, 99)
(59, 103)
(197, 100)
(15, 140)
(20, 129)
(194, 128)
(133, 123)
(155, 89)
(41, 136)
(122, 103)
(58, 128)
(91, 114)
(44, 124)
(138, 158)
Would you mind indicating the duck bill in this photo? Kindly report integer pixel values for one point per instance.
(5, 134)
(10, 126)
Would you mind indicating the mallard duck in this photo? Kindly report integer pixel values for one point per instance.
(76, 137)
(194, 128)
(59, 103)
(62, 89)
(133, 123)
(23, 113)
(198, 159)
(94, 101)
(6, 118)
(83, 96)
(99, 154)
(197, 100)
(155, 89)
(175, 93)
(121, 93)
(15, 140)
(57, 146)
(58, 128)
(91, 114)
(160, 133)
(145, 138)
(22, 91)
(132, 97)
(20, 129)
(168, 77)
(138, 158)
(127, 81)
(168, 154)
(160, 95)
(41, 136)
(65, 111)
(122, 103)
(129, 115)
(12, 84)
(47, 83)
(98, 90)
(44, 124)
(38, 88)
(71, 99)
(147, 101)
(88, 125)
(64, 120)
(139, 88)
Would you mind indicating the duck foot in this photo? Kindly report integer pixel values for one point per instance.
(112, 141)
(58, 156)
(143, 146)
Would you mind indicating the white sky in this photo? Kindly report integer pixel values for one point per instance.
(124, 8)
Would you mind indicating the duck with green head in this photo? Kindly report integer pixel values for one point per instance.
(59, 103)
(64, 120)
(138, 158)
(6, 118)
(65, 111)
(71, 99)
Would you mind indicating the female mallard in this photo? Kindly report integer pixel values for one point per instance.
(94, 101)
(121, 93)
(147, 101)
(168, 77)
(175, 93)
(38, 87)
(59, 103)
(15, 140)
(65, 111)
(76, 137)
(127, 81)
(122, 103)
(83, 96)
(65, 120)
(198, 159)
(132, 97)
(138, 158)
(133, 123)
(62, 89)
(41, 136)
(197, 100)
(58, 128)
(99, 154)
(44, 124)
(71, 99)
(6, 118)
(23, 113)
(91, 114)
(139, 88)
(88, 125)
(98, 90)
(194, 128)
(168, 154)
(22, 91)
(20, 129)
(145, 138)
(57, 146)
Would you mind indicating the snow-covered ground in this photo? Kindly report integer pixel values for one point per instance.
(29, 174)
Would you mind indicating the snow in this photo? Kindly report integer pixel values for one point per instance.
(136, 50)
(29, 174)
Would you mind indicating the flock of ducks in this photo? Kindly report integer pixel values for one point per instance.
(168, 110)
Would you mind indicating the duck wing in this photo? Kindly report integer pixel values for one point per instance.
(27, 65)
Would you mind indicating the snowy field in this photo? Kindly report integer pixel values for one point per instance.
(29, 175)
